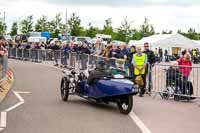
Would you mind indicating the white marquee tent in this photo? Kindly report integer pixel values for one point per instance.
(197, 45)
(166, 40)
(174, 43)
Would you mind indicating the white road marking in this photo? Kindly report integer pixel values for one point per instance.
(18, 96)
(22, 92)
(4, 113)
(133, 116)
(14, 106)
(139, 123)
(3, 119)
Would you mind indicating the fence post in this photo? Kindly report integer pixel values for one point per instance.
(16, 53)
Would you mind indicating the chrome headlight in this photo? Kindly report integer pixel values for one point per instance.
(135, 87)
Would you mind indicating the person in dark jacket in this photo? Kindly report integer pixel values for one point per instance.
(176, 79)
(124, 51)
(130, 58)
(98, 73)
(85, 52)
(56, 52)
(151, 60)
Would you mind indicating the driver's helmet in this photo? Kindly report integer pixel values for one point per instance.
(101, 65)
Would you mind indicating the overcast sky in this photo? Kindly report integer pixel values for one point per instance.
(163, 14)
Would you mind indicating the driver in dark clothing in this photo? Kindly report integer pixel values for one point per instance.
(99, 72)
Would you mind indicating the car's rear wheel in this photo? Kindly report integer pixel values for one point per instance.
(125, 104)
(64, 89)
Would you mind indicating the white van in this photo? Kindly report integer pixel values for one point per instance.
(37, 39)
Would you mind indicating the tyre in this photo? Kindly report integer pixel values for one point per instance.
(177, 97)
(125, 104)
(165, 95)
(64, 89)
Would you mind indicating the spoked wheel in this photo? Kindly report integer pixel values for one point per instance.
(64, 89)
(177, 97)
(165, 94)
(125, 104)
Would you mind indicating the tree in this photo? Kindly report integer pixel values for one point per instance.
(191, 33)
(107, 28)
(26, 25)
(136, 35)
(92, 31)
(75, 25)
(147, 29)
(167, 32)
(3, 28)
(41, 24)
(55, 26)
(124, 31)
(14, 28)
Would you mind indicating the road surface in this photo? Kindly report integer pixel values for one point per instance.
(44, 112)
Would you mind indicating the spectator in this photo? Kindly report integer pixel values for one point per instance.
(130, 58)
(139, 64)
(56, 52)
(115, 51)
(185, 65)
(151, 61)
(98, 48)
(166, 55)
(84, 58)
(124, 51)
(160, 52)
(72, 42)
(65, 49)
(3, 50)
(175, 76)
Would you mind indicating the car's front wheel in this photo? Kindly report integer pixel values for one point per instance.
(64, 89)
(125, 104)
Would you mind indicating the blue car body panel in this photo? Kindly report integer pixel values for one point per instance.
(107, 88)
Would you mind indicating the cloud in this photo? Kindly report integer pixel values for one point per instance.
(133, 3)
(113, 3)
(162, 17)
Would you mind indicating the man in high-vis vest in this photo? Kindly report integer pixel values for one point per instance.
(139, 64)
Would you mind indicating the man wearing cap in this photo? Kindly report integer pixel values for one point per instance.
(99, 72)
(151, 60)
(139, 64)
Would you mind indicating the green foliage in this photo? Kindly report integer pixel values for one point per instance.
(26, 25)
(167, 32)
(55, 26)
(146, 29)
(92, 31)
(41, 24)
(107, 28)
(136, 35)
(124, 31)
(191, 33)
(14, 28)
(75, 25)
(3, 28)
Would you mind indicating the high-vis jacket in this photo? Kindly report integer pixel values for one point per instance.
(140, 62)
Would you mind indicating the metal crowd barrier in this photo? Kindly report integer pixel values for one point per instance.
(168, 80)
(3, 66)
(61, 57)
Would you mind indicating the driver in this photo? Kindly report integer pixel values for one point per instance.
(98, 73)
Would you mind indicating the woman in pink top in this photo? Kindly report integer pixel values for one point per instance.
(185, 65)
